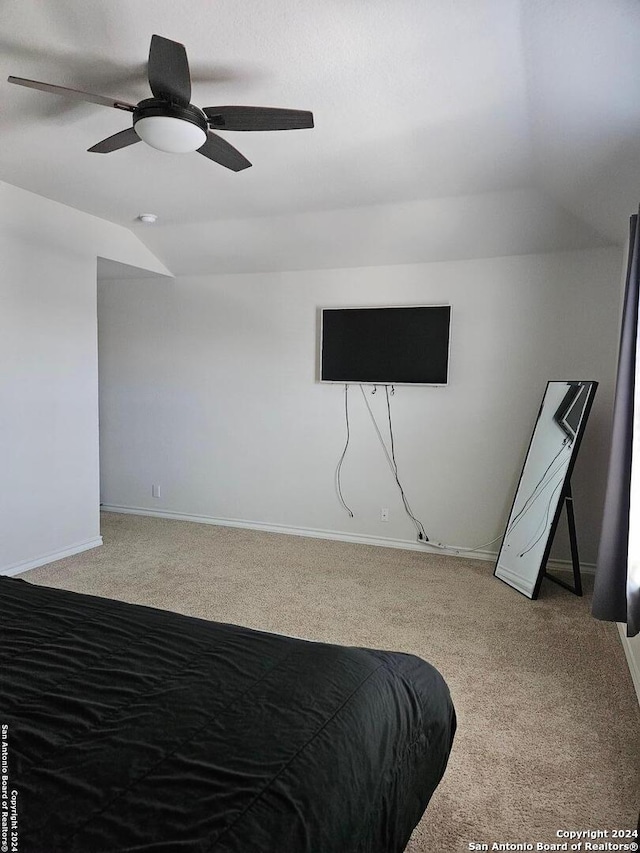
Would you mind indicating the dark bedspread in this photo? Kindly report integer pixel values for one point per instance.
(135, 729)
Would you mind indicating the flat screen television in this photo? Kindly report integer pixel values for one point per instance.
(391, 345)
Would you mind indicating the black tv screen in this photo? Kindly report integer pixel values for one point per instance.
(386, 346)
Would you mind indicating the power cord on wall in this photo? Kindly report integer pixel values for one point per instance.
(391, 459)
(422, 535)
(533, 497)
(538, 489)
(344, 452)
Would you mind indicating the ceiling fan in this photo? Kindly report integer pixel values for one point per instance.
(169, 122)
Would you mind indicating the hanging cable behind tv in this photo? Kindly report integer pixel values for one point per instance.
(422, 534)
(344, 453)
(390, 454)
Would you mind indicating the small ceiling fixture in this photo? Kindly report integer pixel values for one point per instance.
(147, 218)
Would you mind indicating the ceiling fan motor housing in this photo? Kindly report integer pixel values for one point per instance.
(168, 126)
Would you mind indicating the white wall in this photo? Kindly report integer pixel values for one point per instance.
(48, 375)
(462, 227)
(208, 388)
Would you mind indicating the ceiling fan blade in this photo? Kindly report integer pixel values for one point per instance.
(168, 70)
(118, 140)
(257, 118)
(218, 149)
(73, 93)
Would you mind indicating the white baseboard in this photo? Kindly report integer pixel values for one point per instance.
(567, 566)
(26, 565)
(339, 536)
(313, 533)
(632, 658)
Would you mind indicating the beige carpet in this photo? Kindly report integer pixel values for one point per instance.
(548, 721)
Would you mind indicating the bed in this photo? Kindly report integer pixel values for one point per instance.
(128, 728)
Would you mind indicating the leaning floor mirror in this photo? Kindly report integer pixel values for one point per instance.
(544, 488)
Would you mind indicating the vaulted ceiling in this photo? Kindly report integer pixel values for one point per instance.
(444, 129)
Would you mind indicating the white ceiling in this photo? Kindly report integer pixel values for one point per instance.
(518, 120)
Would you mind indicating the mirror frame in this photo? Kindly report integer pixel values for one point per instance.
(563, 491)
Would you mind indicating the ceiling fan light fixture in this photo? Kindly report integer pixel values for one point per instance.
(167, 133)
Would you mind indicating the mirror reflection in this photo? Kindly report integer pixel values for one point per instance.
(544, 485)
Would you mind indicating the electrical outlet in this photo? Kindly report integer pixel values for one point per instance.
(384, 514)
(155, 491)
